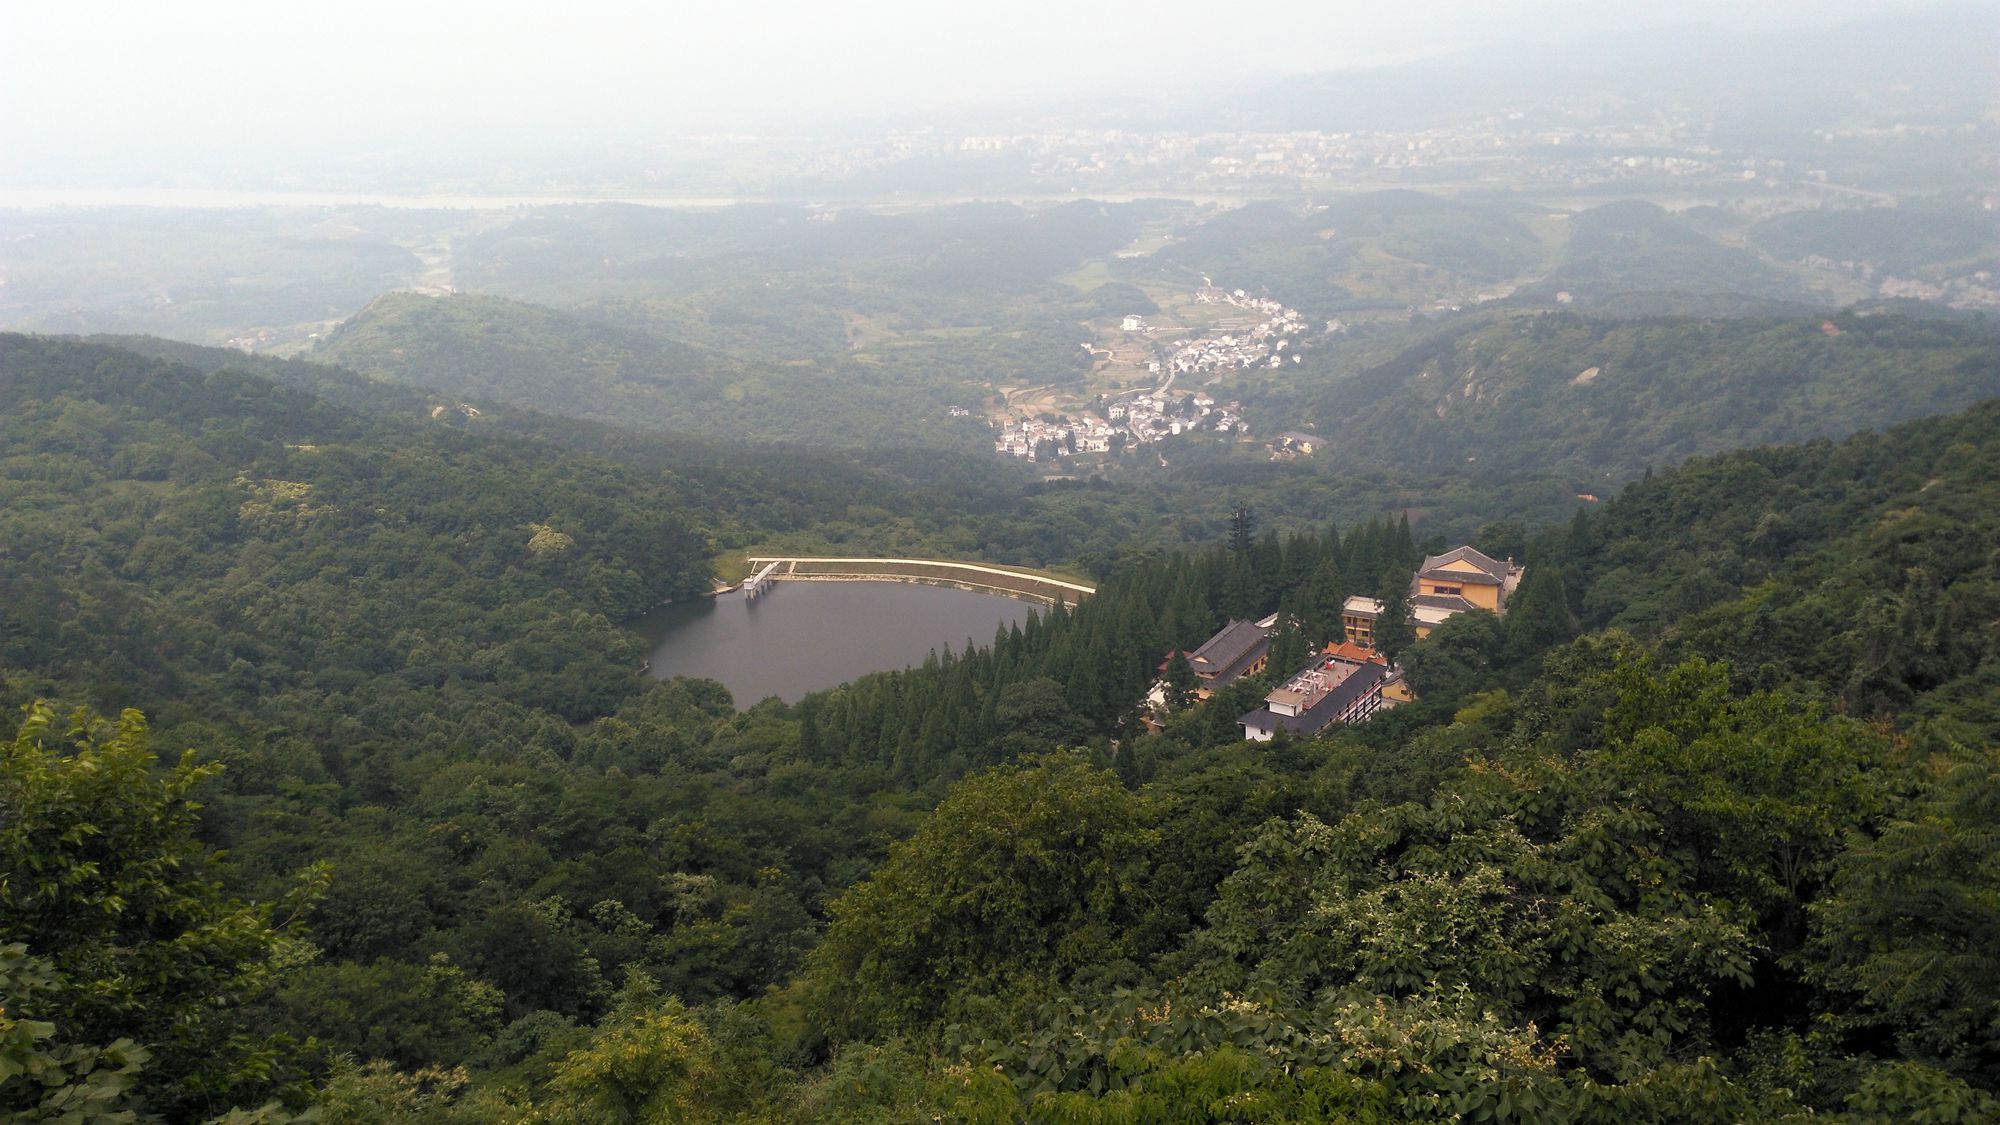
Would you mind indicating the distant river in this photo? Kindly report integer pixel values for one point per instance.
(805, 636)
(33, 199)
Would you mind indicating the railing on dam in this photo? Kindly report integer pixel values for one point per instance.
(972, 576)
(759, 582)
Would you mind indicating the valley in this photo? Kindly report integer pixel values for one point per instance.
(1109, 565)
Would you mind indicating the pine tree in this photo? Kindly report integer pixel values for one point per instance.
(1242, 530)
(1289, 650)
(1321, 601)
(1538, 617)
(1393, 631)
(1403, 547)
(1181, 682)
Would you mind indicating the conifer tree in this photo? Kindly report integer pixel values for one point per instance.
(1289, 650)
(1181, 682)
(1538, 616)
(1393, 632)
(1242, 530)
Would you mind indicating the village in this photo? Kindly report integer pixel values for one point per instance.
(1140, 421)
(1151, 416)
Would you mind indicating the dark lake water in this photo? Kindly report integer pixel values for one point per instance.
(804, 636)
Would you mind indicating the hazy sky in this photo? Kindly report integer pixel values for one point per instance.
(92, 79)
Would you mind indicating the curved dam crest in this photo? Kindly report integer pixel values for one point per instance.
(771, 569)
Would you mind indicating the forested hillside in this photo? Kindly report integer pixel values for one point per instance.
(1702, 830)
(1387, 249)
(1634, 247)
(537, 357)
(1911, 240)
(222, 536)
(564, 363)
(1603, 400)
(928, 502)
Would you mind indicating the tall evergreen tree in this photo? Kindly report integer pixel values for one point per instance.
(1393, 632)
(1242, 530)
(1180, 681)
(1289, 649)
(1538, 616)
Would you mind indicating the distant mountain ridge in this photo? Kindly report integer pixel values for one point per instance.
(479, 345)
(1610, 398)
(1940, 56)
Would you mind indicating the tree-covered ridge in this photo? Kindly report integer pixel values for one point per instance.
(847, 328)
(1637, 883)
(1603, 400)
(1907, 240)
(533, 356)
(1374, 251)
(219, 535)
(1866, 570)
(807, 499)
(1634, 247)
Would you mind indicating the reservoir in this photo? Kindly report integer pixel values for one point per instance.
(800, 637)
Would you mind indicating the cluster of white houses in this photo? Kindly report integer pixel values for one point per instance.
(1141, 420)
(1032, 438)
(1259, 344)
(1152, 417)
(1348, 681)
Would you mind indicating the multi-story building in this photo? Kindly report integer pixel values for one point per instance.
(1357, 620)
(1337, 687)
(1459, 580)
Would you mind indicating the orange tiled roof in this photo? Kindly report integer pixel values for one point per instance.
(1353, 653)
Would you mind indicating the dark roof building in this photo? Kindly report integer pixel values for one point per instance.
(1230, 653)
(1238, 650)
(1329, 690)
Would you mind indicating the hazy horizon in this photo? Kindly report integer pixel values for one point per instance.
(92, 94)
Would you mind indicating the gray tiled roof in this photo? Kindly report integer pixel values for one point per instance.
(1234, 645)
(1494, 571)
(1320, 715)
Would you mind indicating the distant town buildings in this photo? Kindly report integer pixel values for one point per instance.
(1127, 424)
(1141, 419)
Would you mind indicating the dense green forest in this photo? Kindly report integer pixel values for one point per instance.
(1601, 399)
(1701, 830)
